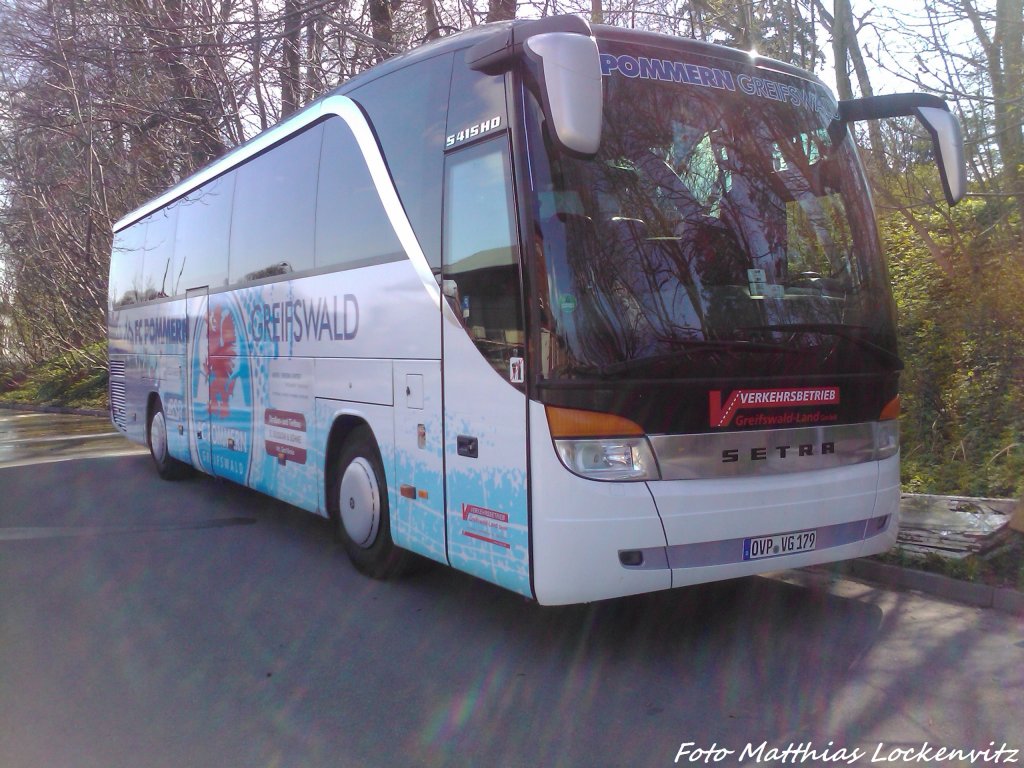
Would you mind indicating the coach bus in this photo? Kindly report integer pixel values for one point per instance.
(582, 311)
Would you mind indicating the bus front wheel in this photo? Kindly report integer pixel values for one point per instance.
(167, 466)
(359, 508)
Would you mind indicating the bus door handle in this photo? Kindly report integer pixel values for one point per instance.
(468, 446)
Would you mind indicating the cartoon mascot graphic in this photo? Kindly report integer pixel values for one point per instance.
(222, 387)
(220, 368)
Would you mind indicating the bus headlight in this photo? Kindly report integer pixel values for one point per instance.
(887, 439)
(629, 458)
(887, 430)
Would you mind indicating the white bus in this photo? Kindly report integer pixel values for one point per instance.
(582, 312)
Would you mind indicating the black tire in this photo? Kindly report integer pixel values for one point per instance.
(167, 466)
(358, 506)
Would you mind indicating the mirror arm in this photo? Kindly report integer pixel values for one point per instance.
(933, 113)
(498, 53)
(494, 55)
(561, 61)
(890, 105)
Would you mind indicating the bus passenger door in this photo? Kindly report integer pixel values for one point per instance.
(483, 361)
(197, 386)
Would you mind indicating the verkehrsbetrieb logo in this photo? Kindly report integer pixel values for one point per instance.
(725, 414)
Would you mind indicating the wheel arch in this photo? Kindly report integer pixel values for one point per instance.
(152, 400)
(348, 444)
(168, 467)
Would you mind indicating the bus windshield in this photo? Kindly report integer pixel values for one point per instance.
(721, 231)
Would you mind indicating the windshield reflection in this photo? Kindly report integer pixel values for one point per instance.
(714, 233)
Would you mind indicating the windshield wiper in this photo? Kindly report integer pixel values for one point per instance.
(847, 332)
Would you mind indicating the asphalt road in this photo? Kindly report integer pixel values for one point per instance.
(145, 623)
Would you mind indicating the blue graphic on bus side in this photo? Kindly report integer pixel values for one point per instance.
(665, 70)
(669, 71)
(490, 538)
(226, 376)
(334, 318)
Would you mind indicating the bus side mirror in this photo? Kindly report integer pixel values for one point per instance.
(933, 113)
(564, 59)
(571, 88)
(949, 150)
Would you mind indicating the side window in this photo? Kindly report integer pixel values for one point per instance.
(158, 272)
(351, 225)
(407, 110)
(126, 265)
(201, 237)
(275, 208)
(481, 253)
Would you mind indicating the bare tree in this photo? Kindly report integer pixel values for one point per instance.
(290, 59)
(972, 54)
(106, 103)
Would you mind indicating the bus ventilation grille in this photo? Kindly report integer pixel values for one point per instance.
(117, 394)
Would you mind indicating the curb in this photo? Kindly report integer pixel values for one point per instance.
(979, 595)
(52, 409)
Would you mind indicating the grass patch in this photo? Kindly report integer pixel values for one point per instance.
(69, 381)
(1003, 566)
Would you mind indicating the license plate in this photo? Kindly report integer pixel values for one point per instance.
(778, 545)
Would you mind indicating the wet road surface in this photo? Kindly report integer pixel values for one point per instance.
(27, 438)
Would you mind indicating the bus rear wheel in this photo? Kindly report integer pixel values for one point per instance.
(167, 466)
(359, 508)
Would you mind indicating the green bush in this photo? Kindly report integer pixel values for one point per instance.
(962, 340)
(73, 381)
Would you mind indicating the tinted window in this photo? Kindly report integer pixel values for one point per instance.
(351, 225)
(481, 256)
(159, 267)
(717, 233)
(476, 101)
(407, 110)
(126, 265)
(274, 212)
(201, 237)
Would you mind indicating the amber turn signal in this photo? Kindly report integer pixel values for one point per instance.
(891, 410)
(570, 422)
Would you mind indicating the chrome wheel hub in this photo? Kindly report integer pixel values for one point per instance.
(359, 502)
(158, 437)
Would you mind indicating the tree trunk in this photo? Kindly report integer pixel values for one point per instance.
(1009, 104)
(290, 82)
(431, 21)
(1004, 60)
(501, 10)
(840, 48)
(383, 27)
